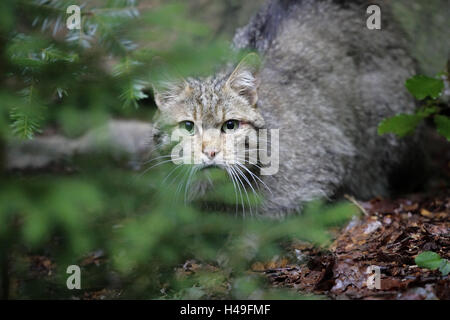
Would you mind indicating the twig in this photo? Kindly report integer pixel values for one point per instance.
(356, 203)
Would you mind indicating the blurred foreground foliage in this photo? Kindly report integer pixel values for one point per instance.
(143, 232)
(74, 80)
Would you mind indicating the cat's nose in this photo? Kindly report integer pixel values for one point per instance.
(210, 153)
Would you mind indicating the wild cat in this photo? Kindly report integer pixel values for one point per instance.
(325, 83)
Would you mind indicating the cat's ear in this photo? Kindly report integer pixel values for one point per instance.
(169, 90)
(167, 84)
(244, 79)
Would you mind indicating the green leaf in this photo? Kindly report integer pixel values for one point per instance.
(443, 125)
(402, 124)
(421, 87)
(428, 259)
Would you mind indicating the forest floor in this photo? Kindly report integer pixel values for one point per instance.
(389, 236)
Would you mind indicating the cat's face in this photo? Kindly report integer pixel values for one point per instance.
(215, 120)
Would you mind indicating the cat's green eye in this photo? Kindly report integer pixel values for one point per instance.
(188, 126)
(230, 126)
